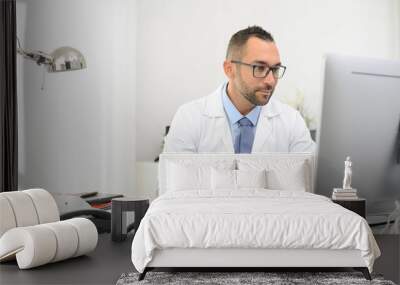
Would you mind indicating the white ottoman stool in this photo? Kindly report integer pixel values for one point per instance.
(31, 232)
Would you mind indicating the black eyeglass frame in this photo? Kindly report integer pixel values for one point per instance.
(263, 65)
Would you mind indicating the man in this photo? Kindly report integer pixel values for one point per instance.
(240, 116)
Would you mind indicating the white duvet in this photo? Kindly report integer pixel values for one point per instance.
(250, 219)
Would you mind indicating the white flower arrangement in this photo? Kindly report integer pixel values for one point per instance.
(298, 103)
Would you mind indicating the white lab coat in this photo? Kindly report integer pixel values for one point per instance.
(201, 126)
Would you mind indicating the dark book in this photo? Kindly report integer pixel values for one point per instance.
(101, 198)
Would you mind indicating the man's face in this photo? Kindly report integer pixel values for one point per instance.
(257, 91)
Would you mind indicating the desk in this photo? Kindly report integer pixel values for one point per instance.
(102, 266)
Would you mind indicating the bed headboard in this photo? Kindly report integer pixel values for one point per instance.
(208, 159)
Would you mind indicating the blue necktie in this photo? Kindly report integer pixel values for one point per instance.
(244, 141)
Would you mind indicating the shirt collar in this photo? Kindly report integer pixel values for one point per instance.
(233, 114)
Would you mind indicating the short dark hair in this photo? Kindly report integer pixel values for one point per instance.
(240, 38)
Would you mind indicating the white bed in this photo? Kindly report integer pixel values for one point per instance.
(225, 210)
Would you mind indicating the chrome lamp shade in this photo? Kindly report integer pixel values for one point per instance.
(66, 59)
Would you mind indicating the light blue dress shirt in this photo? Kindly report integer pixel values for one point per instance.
(234, 115)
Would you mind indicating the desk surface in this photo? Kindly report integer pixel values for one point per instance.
(102, 266)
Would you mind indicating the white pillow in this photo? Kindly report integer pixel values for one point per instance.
(251, 178)
(292, 178)
(282, 173)
(226, 179)
(187, 177)
(223, 179)
(193, 174)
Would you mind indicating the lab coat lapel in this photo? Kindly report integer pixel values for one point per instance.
(223, 128)
(265, 127)
(214, 110)
(263, 132)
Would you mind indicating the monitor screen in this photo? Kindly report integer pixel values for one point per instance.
(361, 119)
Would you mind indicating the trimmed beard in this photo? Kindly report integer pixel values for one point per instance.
(250, 95)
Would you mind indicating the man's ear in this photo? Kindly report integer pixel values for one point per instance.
(229, 69)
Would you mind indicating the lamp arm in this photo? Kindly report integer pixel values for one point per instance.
(38, 56)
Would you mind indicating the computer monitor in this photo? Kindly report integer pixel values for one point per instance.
(361, 119)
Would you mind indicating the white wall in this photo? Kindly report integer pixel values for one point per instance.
(78, 134)
(147, 57)
(182, 43)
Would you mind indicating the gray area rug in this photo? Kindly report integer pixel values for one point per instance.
(229, 278)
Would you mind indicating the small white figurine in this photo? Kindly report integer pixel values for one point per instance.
(347, 174)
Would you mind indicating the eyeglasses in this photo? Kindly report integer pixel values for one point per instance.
(262, 70)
